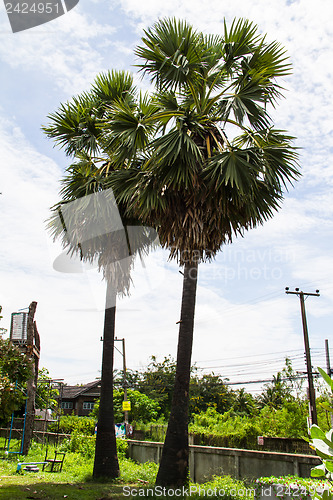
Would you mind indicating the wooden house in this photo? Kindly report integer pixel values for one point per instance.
(80, 399)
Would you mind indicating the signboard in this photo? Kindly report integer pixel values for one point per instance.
(18, 327)
(120, 430)
(126, 406)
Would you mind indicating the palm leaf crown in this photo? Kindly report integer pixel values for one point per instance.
(197, 185)
(199, 158)
(82, 128)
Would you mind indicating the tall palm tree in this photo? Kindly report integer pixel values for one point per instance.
(215, 168)
(82, 127)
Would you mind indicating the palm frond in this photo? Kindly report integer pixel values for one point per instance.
(171, 51)
(74, 125)
(113, 86)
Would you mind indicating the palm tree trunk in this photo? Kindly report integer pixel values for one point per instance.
(106, 460)
(174, 468)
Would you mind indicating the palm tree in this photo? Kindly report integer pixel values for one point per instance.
(215, 168)
(82, 128)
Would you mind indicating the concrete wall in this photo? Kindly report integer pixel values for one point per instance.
(206, 461)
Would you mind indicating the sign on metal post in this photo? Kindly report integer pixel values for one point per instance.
(126, 406)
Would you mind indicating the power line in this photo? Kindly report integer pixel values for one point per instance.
(265, 380)
(249, 355)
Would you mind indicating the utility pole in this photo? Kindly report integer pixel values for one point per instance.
(328, 364)
(312, 396)
(328, 369)
(124, 377)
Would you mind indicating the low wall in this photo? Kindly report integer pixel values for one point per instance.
(156, 432)
(206, 461)
(284, 445)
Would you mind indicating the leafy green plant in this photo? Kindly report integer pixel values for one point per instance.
(122, 448)
(80, 443)
(73, 423)
(226, 488)
(288, 421)
(85, 445)
(323, 444)
(229, 429)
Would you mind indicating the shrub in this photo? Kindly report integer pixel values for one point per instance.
(85, 445)
(71, 423)
(80, 443)
(234, 431)
(288, 421)
(122, 448)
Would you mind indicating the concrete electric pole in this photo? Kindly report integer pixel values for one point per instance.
(124, 377)
(312, 397)
(329, 371)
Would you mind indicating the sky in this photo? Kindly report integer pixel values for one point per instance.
(245, 324)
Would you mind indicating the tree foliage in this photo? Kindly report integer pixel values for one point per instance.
(157, 382)
(209, 391)
(143, 408)
(15, 370)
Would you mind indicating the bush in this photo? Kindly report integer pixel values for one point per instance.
(288, 421)
(85, 445)
(71, 423)
(80, 443)
(227, 488)
(230, 430)
(122, 448)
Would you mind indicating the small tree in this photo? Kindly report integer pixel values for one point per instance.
(207, 391)
(157, 382)
(15, 370)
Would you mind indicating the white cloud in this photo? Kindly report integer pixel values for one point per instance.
(66, 50)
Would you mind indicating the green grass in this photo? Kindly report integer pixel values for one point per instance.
(75, 481)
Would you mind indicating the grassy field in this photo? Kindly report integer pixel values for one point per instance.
(75, 481)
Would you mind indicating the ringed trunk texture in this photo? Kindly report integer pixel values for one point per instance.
(106, 459)
(174, 467)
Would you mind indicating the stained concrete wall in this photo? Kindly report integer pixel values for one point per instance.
(206, 461)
